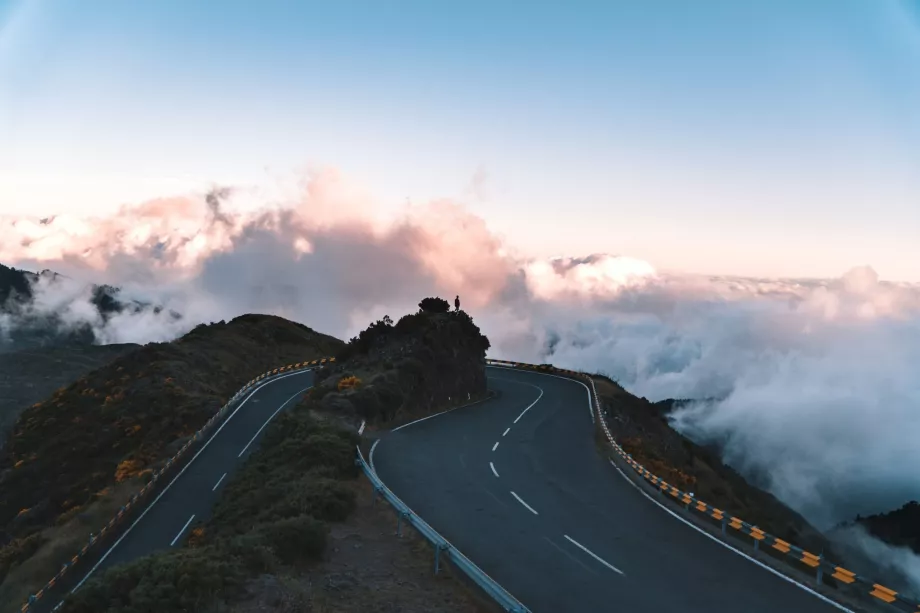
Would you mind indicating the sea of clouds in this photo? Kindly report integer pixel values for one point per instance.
(809, 386)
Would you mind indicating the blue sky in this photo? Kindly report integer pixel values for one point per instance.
(771, 138)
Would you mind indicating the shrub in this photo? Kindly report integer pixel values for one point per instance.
(348, 383)
(296, 539)
(434, 305)
(182, 580)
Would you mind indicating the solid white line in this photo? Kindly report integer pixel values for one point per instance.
(546, 374)
(184, 468)
(218, 481)
(495, 446)
(594, 555)
(531, 404)
(529, 508)
(371, 456)
(423, 419)
(278, 410)
(492, 466)
(727, 546)
(507, 430)
(182, 530)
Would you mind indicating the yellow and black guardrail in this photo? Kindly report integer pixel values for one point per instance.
(863, 586)
(140, 497)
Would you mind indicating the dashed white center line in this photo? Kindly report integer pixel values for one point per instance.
(592, 554)
(495, 446)
(507, 430)
(531, 404)
(182, 530)
(218, 481)
(492, 466)
(527, 506)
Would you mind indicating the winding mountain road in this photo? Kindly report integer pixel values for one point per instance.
(517, 485)
(191, 494)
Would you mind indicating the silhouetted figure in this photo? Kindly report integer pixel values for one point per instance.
(457, 303)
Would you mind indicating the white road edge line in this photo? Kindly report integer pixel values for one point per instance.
(218, 481)
(527, 506)
(594, 555)
(531, 405)
(169, 485)
(423, 419)
(370, 457)
(727, 546)
(182, 530)
(492, 466)
(507, 430)
(278, 410)
(495, 446)
(546, 374)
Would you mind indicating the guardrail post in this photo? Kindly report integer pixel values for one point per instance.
(724, 524)
(820, 568)
(399, 517)
(756, 545)
(437, 556)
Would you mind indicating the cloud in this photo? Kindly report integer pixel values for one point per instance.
(809, 386)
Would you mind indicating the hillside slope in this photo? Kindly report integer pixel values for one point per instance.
(72, 458)
(28, 376)
(269, 537)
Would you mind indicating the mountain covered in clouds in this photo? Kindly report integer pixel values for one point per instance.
(900, 527)
(28, 321)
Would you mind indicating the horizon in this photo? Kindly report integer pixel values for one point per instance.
(772, 141)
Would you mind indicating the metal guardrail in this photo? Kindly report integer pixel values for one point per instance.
(140, 497)
(861, 585)
(442, 546)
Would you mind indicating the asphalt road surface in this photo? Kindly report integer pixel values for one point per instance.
(517, 485)
(191, 495)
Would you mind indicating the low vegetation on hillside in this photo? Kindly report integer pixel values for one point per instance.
(273, 520)
(28, 376)
(73, 458)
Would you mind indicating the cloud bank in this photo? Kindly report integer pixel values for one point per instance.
(809, 386)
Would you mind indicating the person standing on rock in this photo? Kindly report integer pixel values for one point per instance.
(457, 303)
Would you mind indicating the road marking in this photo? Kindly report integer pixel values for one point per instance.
(546, 374)
(278, 410)
(182, 530)
(218, 481)
(570, 556)
(531, 404)
(371, 455)
(507, 430)
(495, 446)
(727, 546)
(463, 406)
(529, 508)
(184, 468)
(492, 466)
(594, 555)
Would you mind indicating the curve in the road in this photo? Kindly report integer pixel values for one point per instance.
(516, 484)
